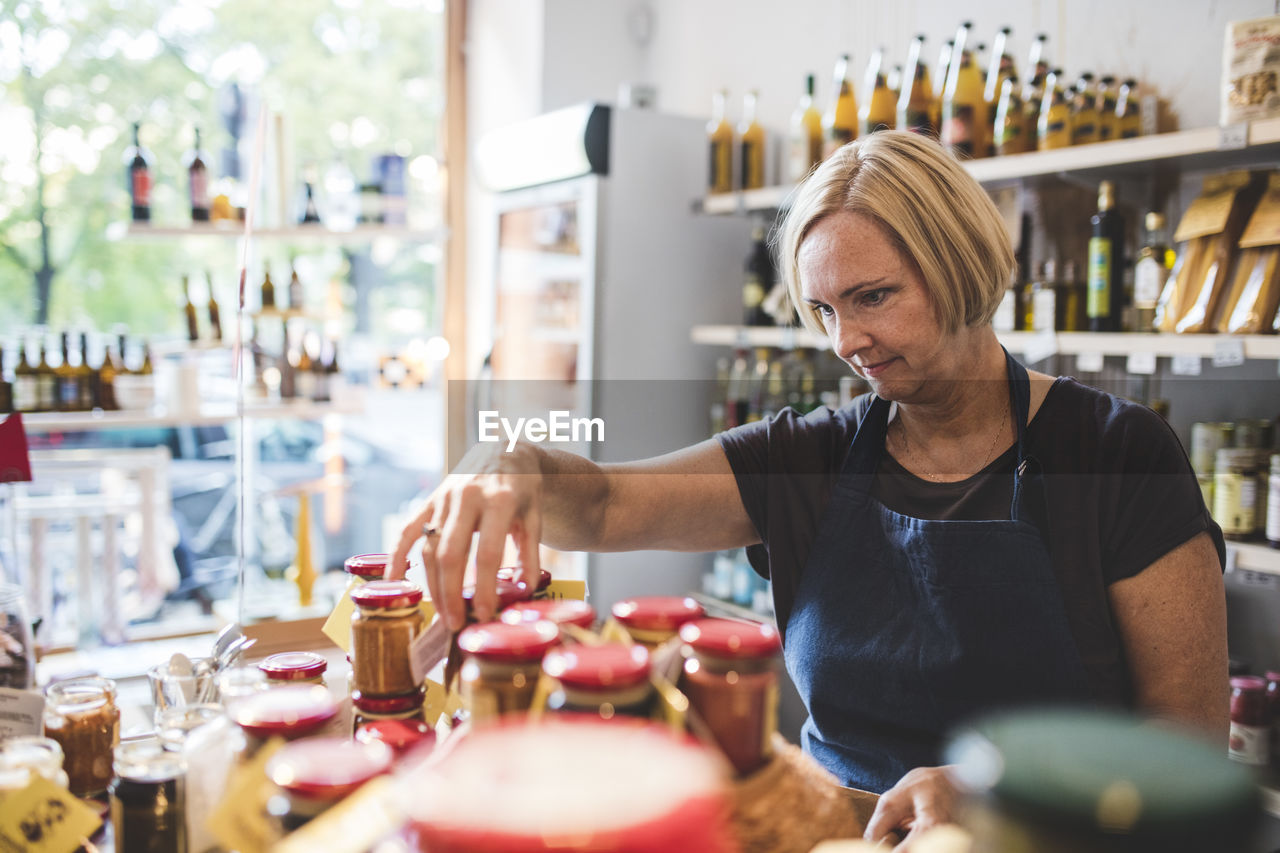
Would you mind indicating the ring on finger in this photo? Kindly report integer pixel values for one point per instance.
(429, 530)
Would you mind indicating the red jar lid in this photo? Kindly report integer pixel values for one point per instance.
(327, 768)
(509, 574)
(509, 642)
(387, 595)
(289, 712)
(1273, 675)
(657, 612)
(294, 666)
(509, 592)
(1248, 682)
(400, 735)
(731, 638)
(567, 611)
(367, 565)
(387, 704)
(605, 666)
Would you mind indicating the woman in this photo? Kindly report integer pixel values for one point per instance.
(970, 536)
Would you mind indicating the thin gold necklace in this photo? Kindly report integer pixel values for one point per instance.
(908, 452)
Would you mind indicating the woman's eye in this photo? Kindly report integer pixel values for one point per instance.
(875, 297)
(823, 310)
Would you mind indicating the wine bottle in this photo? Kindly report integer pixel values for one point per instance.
(1106, 256)
(720, 143)
(758, 281)
(107, 372)
(6, 388)
(215, 315)
(138, 177)
(1150, 272)
(915, 101)
(46, 380)
(268, 293)
(840, 124)
(189, 312)
(879, 110)
(198, 183)
(68, 382)
(295, 290)
(751, 145)
(25, 393)
(806, 136)
(1033, 91)
(1000, 68)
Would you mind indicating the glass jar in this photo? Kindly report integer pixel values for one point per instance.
(148, 799)
(652, 620)
(28, 755)
(1206, 440)
(1273, 502)
(366, 567)
(286, 712)
(563, 612)
(370, 709)
(1250, 723)
(313, 775)
(606, 680)
(239, 682)
(294, 668)
(81, 715)
(1235, 492)
(500, 666)
(18, 661)
(175, 725)
(731, 681)
(384, 625)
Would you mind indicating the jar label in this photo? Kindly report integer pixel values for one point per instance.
(1149, 276)
(45, 818)
(1248, 744)
(428, 649)
(21, 712)
(338, 626)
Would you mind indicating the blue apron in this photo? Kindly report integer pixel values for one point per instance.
(903, 627)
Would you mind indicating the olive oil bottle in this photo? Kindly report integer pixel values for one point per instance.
(1106, 264)
(940, 81)
(1011, 135)
(1150, 272)
(1033, 89)
(1000, 68)
(1108, 121)
(916, 102)
(751, 146)
(840, 124)
(964, 112)
(878, 111)
(189, 312)
(1053, 126)
(1128, 113)
(25, 395)
(720, 145)
(1084, 111)
(806, 136)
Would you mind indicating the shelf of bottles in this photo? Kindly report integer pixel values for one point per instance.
(318, 234)
(205, 415)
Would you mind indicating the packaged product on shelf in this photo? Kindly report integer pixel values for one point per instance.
(805, 149)
(878, 110)
(1250, 65)
(916, 104)
(720, 142)
(1211, 227)
(751, 141)
(840, 124)
(1254, 297)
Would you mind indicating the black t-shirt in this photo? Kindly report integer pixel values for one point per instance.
(1119, 494)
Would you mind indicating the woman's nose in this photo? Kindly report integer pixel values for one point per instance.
(847, 338)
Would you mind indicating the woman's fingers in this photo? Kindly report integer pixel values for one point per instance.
(528, 536)
(892, 810)
(491, 541)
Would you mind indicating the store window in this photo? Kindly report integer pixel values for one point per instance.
(341, 102)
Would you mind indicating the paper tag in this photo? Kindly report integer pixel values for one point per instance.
(1185, 364)
(1041, 346)
(428, 611)
(21, 712)
(560, 590)
(433, 703)
(1233, 137)
(338, 626)
(672, 706)
(1089, 362)
(612, 632)
(1141, 362)
(428, 649)
(45, 818)
(355, 825)
(1228, 352)
(240, 821)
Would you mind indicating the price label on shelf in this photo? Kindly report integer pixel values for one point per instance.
(788, 337)
(741, 339)
(1089, 362)
(1185, 364)
(1228, 352)
(1041, 346)
(1143, 363)
(1233, 136)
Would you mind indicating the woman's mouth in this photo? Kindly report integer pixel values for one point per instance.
(871, 371)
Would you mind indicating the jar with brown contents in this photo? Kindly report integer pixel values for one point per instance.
(384, 625)
(652, 620)
(81, 715)
(731, 681)
(500, 666)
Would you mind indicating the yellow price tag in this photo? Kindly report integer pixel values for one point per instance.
(434, 702)
(356, 824)
(428, 611)
(45, 818)
(612, 632)
(577, 590)
(240, 821)
(338, 626)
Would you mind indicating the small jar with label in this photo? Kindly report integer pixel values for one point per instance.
(366, 567)
(291, 713)
(500, 666)
(652, 620)
(1250, 723)
(81, 715)
(606, 680)
(1235, 492)
(314, 775)
(26, 756)
(731, 681)
(566, 611)
(294, 668)
(1273, 502)
(148, 798)
(372, 709)
(383, 627)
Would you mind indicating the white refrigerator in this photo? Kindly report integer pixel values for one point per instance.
(600, 268)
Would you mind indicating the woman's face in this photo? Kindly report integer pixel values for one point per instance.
(874, 306)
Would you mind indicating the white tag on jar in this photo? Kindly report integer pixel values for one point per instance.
(21, 712)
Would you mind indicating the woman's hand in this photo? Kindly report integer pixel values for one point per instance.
(922, 799)
(493, 493)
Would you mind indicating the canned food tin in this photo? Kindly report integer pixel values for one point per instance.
(1206, 440)
(1235, 492)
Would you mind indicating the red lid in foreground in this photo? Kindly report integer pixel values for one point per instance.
(607, 665)
(387, 595)
(327, 768)
(290, 712)
(367, 565)
(509, 592)
(387, 704)
(510, 642)
(1273, 675)
(294, 666)
(731, 638)
(1248, 682)
(509, 574)
(567, 611)
(657, 612)
(400, 735)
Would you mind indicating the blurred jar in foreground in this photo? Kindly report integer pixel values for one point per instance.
(314, 775)
(81, 715)
(27, 756)
(148, 799)
(286, 712)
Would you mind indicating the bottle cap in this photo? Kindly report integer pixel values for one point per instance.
(657, 613)
(603, 667)
(387, 595)
(507, 642)
(294, 666)
(731, 638)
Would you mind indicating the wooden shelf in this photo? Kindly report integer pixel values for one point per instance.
(291, 234)
(208, 415)
(1202, 148)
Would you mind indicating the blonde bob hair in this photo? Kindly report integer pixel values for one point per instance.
(929, 206)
